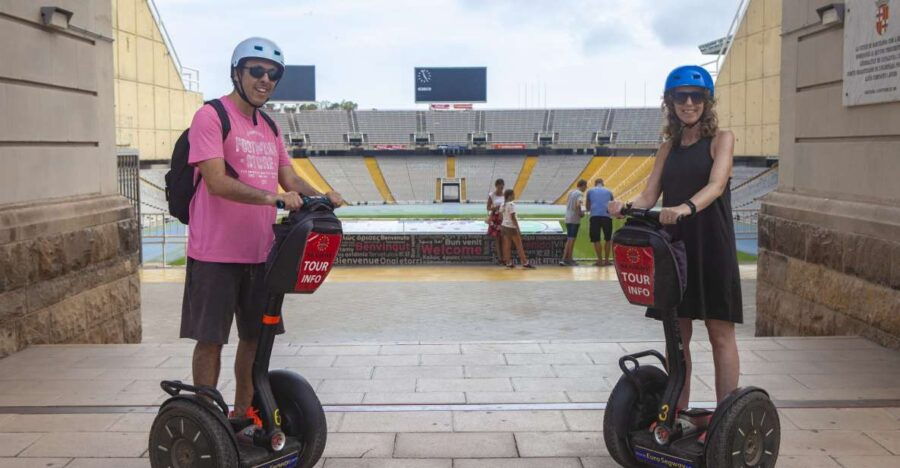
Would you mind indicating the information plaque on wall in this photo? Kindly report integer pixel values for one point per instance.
(871, 52)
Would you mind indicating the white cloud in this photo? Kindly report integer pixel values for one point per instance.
(581, 51)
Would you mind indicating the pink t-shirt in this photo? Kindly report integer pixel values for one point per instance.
(223, 230)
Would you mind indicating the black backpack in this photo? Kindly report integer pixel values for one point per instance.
(180, 183)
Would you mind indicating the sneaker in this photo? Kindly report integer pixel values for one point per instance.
(563, 263)
(510, 266)
(529, 266)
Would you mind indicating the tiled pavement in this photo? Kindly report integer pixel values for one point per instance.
(486, 386)
(359, 376)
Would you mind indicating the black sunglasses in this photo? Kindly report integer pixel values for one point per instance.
(258, 71)
(680, 97)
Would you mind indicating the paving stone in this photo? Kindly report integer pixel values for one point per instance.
(593, 370)
(388, 463)
(504, 348)
(420, 349)
(39, 462)
(447, 372)
(419, 398)
(347, 445)
(859, 381)
(887, 439)
(401, 421)
(310, 350)
(88, 444)
(599, 462)
(464, 385)
(376, 385)
(12, 444)
(508, 421)
(584, 420)
(527, 384)
(560, 444)
(848, 419)
(806, 461)
(835, 443)
(118, 361)
(320, 373)
(352, 398)
(598, 348)
(770, 382)
(377, 361)
(121, 399)
(508, 371)
(588, 397)
(829, 343)
(880, 354)
(109, 463)
(515, 397)
(866, 461)
(463, 359)
(557, 358)
(60, 422)
(455, 445)
(517, 463)
(333, 420)
(280, 362)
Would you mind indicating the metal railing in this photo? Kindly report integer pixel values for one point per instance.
(745, 222)
(128, 169)
(163, 240)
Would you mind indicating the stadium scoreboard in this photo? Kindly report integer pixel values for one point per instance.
(297, 84)
(451, 84)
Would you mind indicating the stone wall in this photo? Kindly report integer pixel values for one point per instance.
(830, 234)
(68, 241)
(824, 270)
(69, 273)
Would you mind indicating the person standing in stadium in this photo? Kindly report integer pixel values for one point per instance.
(512, 234)
(597, 199)
(692, 171)
(574, 213)
(231, 216)
(495, 219)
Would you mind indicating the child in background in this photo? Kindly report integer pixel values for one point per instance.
(511, 231)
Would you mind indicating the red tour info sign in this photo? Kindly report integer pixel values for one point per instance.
(318, 258)
(634, 266)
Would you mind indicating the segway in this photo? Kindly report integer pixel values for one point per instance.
(642, 425)
(192, 429)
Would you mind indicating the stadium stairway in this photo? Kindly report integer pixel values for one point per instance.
(451, 167)
(305, 168)
(378, 179)
(592, 167)
(525, 174)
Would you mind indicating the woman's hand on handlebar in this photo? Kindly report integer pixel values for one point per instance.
(335, 198)
(615, 208)
(291, 200)
(672, 214)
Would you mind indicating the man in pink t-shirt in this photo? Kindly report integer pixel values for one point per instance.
(231, 218)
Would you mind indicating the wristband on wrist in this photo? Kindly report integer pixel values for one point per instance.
(692, 206)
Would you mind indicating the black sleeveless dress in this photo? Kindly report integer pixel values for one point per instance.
(713, 283)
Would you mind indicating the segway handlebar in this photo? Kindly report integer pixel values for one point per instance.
(648, 215)
(310, 202)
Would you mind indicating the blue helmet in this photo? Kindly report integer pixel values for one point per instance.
(690, 75)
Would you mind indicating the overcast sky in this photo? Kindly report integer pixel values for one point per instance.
(584, 53)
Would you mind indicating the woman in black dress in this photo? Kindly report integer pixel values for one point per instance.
(692, 171)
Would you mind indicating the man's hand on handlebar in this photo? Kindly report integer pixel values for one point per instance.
(671, 215)
(291, 200)
(615, 208)
(335, 198)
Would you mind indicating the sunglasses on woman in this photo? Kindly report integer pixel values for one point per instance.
(258, 71)
(680, 97)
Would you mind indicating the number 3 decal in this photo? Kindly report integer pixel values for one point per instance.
(663, 415)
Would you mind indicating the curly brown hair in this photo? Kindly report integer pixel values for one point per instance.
(709, 121)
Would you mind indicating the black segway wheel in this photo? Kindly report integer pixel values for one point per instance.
(185, 435)
(747, 436)
(302, 415)
(628, 410)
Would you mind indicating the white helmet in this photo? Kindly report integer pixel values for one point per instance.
(257, 47)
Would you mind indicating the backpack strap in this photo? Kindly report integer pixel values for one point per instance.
(226, 128)
(223, 116)
(269, 121)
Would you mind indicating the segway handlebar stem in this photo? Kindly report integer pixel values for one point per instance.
(309, 202)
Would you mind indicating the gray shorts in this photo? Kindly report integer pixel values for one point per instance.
(214, 293)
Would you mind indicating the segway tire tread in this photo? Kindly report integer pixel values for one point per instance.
(224, 454)
(302, 413)
(745, 413)
(622, 416)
